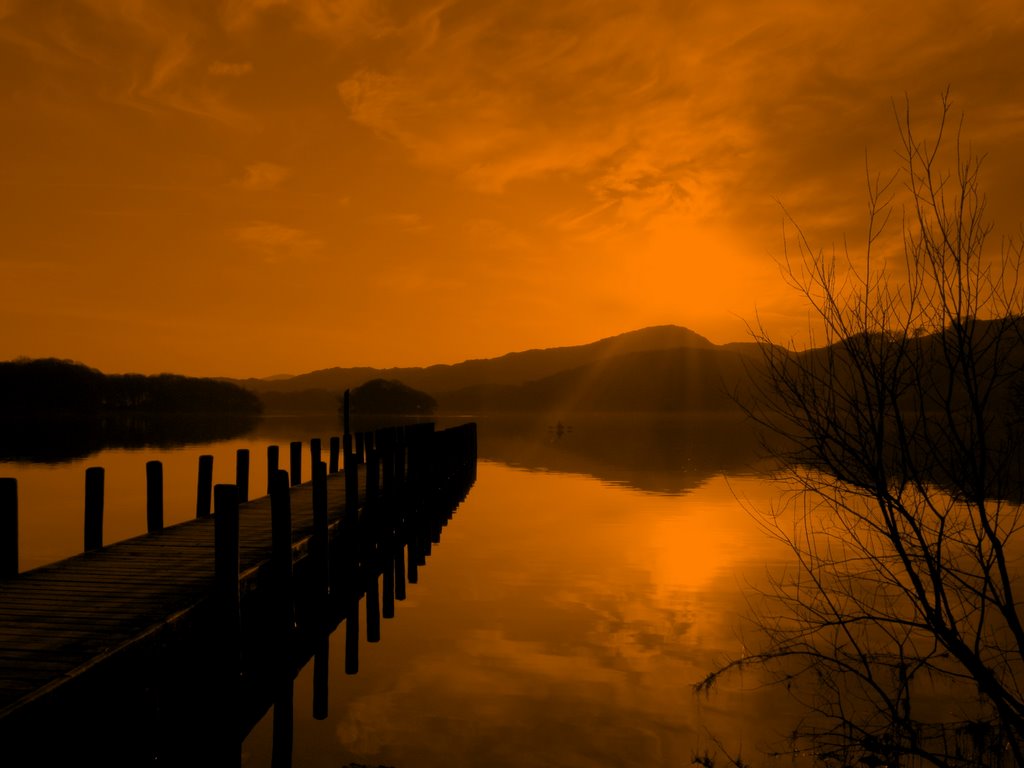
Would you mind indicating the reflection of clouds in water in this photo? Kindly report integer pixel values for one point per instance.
(562, 622)
(576, 670)
(513, 701)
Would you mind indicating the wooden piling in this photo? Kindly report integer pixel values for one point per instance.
(242, 474)
(154, 496)
(314, 451)
(352, 636)
(414, 560)
(360, 455)
(351, 489)
(226, 560)
(399, 563)
(281, 555)
(321, 676)
(335, 451)
(227, 640)
(8, 527)
(273, 463)
(385, 442)
(373, 608)
(319, 545)
(204, 486)
(388, 602)
(296, 462)
(93, 508)
(372, 476)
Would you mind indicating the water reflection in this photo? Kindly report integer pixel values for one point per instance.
(52, 441)
(658, 453)
(561, 622)
(590, 578)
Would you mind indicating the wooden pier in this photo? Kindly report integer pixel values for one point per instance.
(153, 646)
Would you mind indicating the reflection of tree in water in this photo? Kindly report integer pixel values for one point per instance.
(56, 440)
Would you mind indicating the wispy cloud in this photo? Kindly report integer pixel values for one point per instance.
(411, 222)
(230, 68)
(699, 109)
(277, 242)
(263, 176)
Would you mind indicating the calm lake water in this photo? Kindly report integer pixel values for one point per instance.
(596, 571)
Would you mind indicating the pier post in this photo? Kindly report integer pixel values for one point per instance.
(273, 463)
(226, 562)
(373, 606)
(335, 450)
(281, 555)
(373, 561)
(154, 496)
(382, 534)
(360, 455)
(372, 478)
(296, 462)
(321, 676)
(319, 546)
(399, 567)
(351, 490)
(242, 474)
(413, 554)
(205, 485)
(93, 508)
(314, 451)
(227, 645)
(352, 634)
(8, 527)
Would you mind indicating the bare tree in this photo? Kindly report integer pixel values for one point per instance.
(899, 625)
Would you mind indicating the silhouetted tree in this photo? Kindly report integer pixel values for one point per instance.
(899, 624)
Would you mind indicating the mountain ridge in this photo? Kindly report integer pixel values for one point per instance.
(512, 368)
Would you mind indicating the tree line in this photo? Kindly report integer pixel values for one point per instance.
(54, 387)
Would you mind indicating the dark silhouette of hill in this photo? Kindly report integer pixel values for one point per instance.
(57, 410)
(671, 380)
(545, 378)
(53, 387)
(389, 397)
(510, 369)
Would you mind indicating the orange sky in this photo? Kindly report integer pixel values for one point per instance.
(251, 187)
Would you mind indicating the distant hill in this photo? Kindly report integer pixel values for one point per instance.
(637, 371)
(668, 380)
(511, 369)
(392, 398)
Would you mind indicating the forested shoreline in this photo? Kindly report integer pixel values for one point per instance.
(51, 387)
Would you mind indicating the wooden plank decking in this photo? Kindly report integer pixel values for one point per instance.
(59, 621)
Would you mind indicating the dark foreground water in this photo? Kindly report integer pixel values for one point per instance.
(595, 572)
